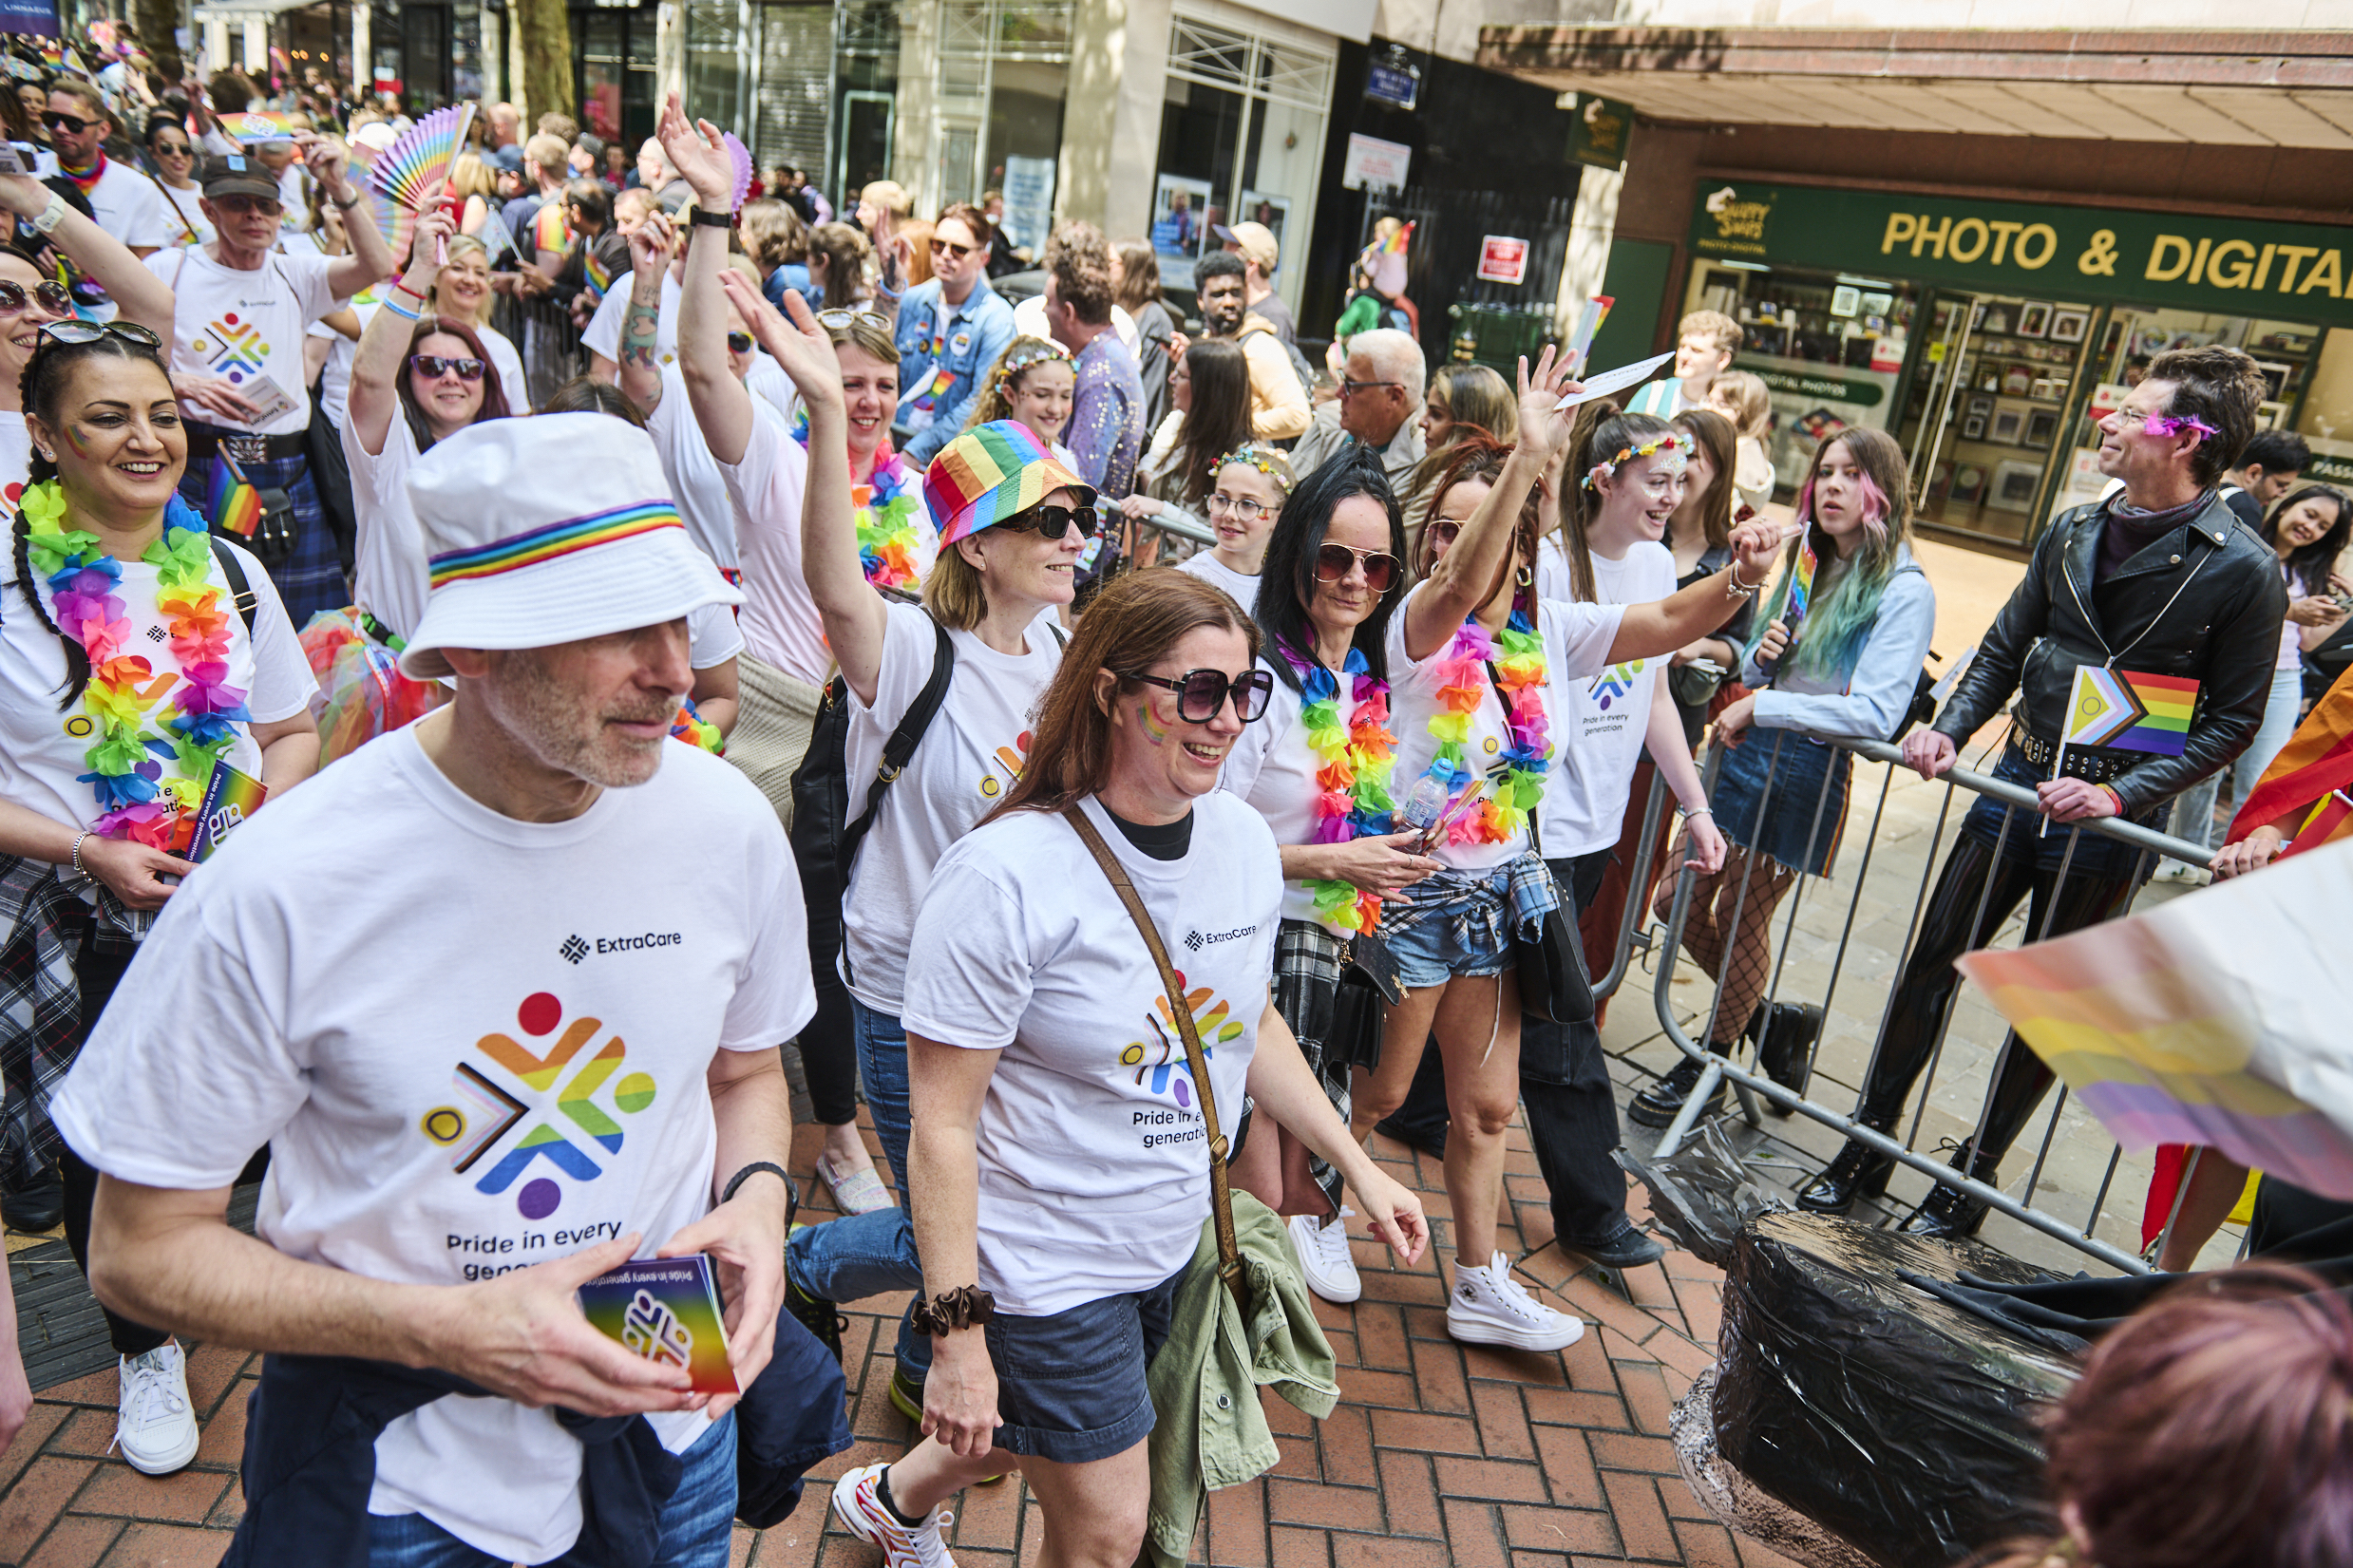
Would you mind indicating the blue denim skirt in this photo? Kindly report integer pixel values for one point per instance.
(1803, 815)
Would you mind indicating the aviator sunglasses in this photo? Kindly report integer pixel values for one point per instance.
(53, 298)
(1333, 561)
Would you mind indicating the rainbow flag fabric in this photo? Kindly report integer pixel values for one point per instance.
(2197, 1022)
(233, 502)
(258, 125)
(2305, 792)
(1396, 243)
(1801, 586)
(2126, 710)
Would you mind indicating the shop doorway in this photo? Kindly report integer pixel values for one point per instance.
(1990, 411)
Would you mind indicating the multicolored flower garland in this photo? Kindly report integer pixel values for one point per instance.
(135, 800)
(885, 509)
(1518, 654)
(1351, 787)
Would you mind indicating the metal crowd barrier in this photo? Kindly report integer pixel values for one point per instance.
(1750, 1085)
(542, 334)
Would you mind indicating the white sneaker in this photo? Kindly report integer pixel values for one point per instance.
(155, 1426)
(1325, 1258)
(857, 1503)
(1488, 1307)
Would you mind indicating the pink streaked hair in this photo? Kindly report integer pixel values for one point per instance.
(1875, 506)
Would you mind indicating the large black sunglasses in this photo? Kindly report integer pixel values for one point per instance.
(433, 367)
(70, 125)
(1051, 522)
(1202, 692)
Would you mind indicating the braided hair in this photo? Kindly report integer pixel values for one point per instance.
(43, 384)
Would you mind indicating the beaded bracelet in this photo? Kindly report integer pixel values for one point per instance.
(76, 854)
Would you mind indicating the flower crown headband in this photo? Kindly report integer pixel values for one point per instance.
(1666, 442)
(1258, 458)
(1015, 364)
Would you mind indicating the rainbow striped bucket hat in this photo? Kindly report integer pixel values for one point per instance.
(547, 529)
(988, 475)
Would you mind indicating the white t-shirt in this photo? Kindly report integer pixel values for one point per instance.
(1553, 577)
(695, 481)
(239, 325)
(335, 375)
(971, 755)
(1600, 722)
(603, 335)
(1094, 1166)
(185, 223)
(509, 364)
(15, 465)
(2291, 635)
(414, 1128)
(1243, 590)
(125, 203)
(44, 751)
(1576, 639)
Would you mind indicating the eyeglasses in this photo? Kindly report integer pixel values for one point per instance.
(844, 319)
(1202, 692)
(1349, 387)
(1333, 562)
(1051, 522)
(90, 332)
(434, 367)
(70, 124)
(2164, 425)
(739, 343)
(1241, 506)
(52, 297)
(174, 149)
(261, 204)
(950, 248)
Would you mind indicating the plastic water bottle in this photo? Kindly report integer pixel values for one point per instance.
(1426, 804)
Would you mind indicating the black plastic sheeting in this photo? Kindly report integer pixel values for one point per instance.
(1901, 1423)
(1702, 1195)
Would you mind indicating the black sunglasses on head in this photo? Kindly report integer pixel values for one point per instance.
(90, 332)
(433, 367)
(1051, 522)
(1202, 692)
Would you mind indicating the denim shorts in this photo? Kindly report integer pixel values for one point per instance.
(1460, 923)
(1071, 1386)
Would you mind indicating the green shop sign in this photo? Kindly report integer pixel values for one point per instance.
(1830, 385)
(2300, 271)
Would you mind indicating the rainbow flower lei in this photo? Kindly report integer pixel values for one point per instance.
(886, 510)
(1351, 787)
(134, 799)
(1518, 654)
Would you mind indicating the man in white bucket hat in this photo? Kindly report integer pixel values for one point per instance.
(503, 993)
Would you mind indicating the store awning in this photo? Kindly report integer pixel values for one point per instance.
(2288, 89)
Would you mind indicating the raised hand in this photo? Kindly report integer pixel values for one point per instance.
(699, 154)
(1545, 425)
(799, 345)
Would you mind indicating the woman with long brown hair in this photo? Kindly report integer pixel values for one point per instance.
(1210, 390)
(1135, 289)
(1061, 1140)
(1851, 615)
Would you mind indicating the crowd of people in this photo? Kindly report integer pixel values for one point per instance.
(1122, 867)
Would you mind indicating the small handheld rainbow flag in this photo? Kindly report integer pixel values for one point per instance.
(230, 798)
(1801, 586)
(2128, 710)
(1588, 323)
(599, 276)
(235, 505)
(260, 125)
(1396, 243)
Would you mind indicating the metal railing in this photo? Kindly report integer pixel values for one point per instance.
(1750, 1086)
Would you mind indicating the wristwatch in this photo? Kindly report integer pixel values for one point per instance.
(53, 214)
(712, 221)
(344, 206)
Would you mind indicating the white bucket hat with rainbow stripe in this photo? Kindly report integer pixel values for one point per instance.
(547, 529)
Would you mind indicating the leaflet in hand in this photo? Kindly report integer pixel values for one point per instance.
(269, 399)
(230, 797)
(1615, 381)
(666, 1310)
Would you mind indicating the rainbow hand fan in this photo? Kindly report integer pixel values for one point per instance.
(407, 177)
(741, 157)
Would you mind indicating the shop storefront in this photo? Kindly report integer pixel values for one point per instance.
(1989, 338)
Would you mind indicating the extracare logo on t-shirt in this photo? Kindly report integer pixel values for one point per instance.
(516, 1106)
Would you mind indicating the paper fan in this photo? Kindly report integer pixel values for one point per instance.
(407, 174)
(741, 156)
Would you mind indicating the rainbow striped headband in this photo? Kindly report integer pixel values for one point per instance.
(1630, 454)
(541, 545)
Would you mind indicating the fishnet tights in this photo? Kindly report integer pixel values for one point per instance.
(1740, 982)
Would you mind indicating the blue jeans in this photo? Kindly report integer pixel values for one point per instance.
(864, 1255)
(2197, 811)
(699, 1521)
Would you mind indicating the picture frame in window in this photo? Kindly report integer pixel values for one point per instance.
(2041, 429)
(1981, 405)
(2008, 423)
(1968, 483)
(2034, 319)
(1973, 429)
(2069, 323)
(1995, 321)
(2012, 487)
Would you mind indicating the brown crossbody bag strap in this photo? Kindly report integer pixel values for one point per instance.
(1220, 1198)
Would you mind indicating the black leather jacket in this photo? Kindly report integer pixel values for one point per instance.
(2205, 600)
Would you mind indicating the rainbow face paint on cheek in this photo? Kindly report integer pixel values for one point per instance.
(1152, 731)
(79, 439)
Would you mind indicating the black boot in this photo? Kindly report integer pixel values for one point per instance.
(1858, 1172)
(38, 1207)
(1950, 1214)
(1784, 1036)
(1657, 1105)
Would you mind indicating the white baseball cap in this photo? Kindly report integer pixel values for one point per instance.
(548, 530)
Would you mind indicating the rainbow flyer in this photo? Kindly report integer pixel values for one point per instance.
(230, 798)
(666, 1310)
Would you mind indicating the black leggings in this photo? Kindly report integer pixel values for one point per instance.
(97, 974)
(1951, 927)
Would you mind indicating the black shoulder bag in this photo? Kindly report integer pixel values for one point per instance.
(1550, 959)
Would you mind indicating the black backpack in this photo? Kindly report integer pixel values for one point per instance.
(825, 840)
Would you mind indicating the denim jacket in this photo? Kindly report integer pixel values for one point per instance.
(977, 334)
